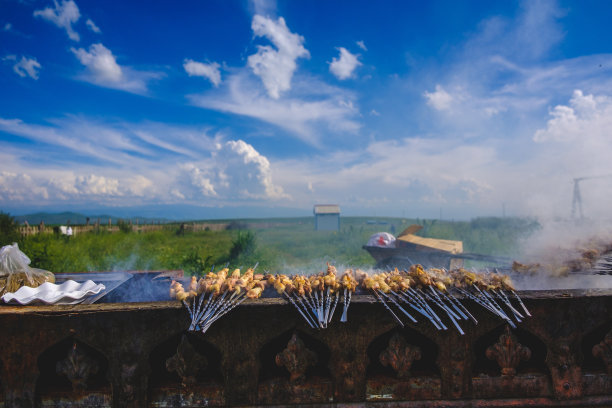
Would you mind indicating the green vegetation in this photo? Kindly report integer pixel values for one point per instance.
(9, 229)
(277, 244)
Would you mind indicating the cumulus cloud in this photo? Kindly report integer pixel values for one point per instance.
(205, 70)
(20, 187)
(103, 70)
(361, 45)
(236, 171)
(65, 185)
(27, 67)
(275, 66)
(92, 26)
(344, 66)
(587, 117)
(63, 15)
(101, 62)
(439, 99)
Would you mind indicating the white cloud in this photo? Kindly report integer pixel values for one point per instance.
(65, 185)
(321, 106)
(439, 99)
(344, 66)
(20, 187)
(587, 117)
(275, 67)
(246, 171)
(361, 45)
(129, 164)
(104, 70)
(27, 67)
(236, 171)
(101, 62)
(63, 15)
(92, 26)
(93, 185)
(263, 7)
(210, 70)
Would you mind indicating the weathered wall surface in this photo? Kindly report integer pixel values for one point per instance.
(263, 353)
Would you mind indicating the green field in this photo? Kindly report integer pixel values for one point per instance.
(286, 244)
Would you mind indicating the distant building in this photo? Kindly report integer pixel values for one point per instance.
(327, 217)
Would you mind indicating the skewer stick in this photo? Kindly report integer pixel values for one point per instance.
(400, 307)
(414, 300)
(215, 318)
(327, 307)
(388, 308)
(428, 308)
(347, 302)
(445, 296)
(305, 306)
(483, 301)
(458, 302)
(521, 303)
(331, 315)
(451, 315)
(299, 309)
(414, 304)
(505, 299)
(441, 305)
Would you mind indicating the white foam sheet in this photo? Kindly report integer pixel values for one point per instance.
(69, 292)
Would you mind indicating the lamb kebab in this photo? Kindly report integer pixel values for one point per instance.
(216, 294)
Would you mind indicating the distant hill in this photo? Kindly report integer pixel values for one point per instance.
(148, 213)
(74, 218)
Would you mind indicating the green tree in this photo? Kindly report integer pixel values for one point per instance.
(9, 229)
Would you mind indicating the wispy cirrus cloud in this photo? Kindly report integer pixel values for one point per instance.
(63, 15)
(302, 115)
(102, 69)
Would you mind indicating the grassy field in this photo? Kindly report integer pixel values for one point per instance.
(277, 244)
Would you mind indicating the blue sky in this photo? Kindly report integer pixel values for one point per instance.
(399, 108)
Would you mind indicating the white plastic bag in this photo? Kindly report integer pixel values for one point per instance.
(382, 240)
(15, 271)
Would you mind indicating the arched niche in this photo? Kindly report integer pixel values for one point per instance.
(423, 366)
(75, 371)
(294, 368)
(202, 361)
(267, 356)
(403, 366)
(536, 363)
(185, 371)
(510, 362)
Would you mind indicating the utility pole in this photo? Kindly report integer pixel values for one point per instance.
(577, 199)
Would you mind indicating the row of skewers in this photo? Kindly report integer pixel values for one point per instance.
(316, 296)
(430, 294)
(216, 294)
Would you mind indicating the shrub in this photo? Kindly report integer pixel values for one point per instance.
(9, 229)
(124, 226)
(243, 246)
